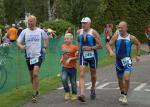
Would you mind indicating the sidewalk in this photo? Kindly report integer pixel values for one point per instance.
(144, 47)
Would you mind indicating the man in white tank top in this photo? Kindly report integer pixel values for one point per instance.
(123, 43)
(88, 43)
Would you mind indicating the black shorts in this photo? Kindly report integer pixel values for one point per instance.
(148, 42)
(31, 66)
(12, 40)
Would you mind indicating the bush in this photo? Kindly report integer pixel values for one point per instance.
(59, 25)
(2, 27)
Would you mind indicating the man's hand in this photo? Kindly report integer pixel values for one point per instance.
(112, 53)
(44, 50)
(137, 59)
(22, 47)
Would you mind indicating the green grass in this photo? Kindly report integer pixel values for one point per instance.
(17, 97)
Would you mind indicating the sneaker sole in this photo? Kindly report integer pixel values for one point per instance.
(34, 100)
(81, 100)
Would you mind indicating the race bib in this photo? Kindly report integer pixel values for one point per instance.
(33, 60)
(126, 61)
(88, 54)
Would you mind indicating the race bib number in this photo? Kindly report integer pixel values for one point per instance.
(33, 60)
(126, 61)
(88, 54)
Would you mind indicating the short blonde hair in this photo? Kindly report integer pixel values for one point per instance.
(32, 17)
(68, 35)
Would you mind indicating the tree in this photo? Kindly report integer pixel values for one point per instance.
(14, 9)
(51, 9)
(2, 11)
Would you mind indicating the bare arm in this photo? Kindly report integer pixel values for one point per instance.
(46, 42)
(137, 44)
(97, 39)
(112, 42)
(78, 41)
(21, 46)
(113, 39)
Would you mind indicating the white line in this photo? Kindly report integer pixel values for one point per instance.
(109, 88)
(87, 84)
(139, 88)
(91, 85)
(104, 80)
(103, 85)
(60, 88)
(147, 90)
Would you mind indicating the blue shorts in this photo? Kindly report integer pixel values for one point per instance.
(92, 62)
(120, 69)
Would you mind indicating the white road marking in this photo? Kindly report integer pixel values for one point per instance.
(113, 86)
(91, 85)
(103, 85)
(147, 90)
(140, 87)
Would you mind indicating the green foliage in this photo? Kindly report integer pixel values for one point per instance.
(2, 27)
(58, 25)
(2, 11)
(37, 8)
(101, 12)
(135, 12)
(16, 9)
(75, 10)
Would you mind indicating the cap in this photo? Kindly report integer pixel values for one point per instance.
(13, 25)
(86, 19)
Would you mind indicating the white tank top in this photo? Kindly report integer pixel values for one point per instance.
(126, 38)
(89, 32)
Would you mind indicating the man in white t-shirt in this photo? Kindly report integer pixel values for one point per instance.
(34, 41)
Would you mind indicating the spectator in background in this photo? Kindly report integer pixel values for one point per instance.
(69, 30)
(19, 30)
(108, 35)
(12, 33)
(117, 30)
(147, 33)
(51, 33)
(6, 39)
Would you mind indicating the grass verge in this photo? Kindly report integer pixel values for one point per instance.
(17, 97)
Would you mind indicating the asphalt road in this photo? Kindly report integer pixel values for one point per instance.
(107, 90)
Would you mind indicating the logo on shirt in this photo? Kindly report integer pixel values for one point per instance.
(33, 39)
